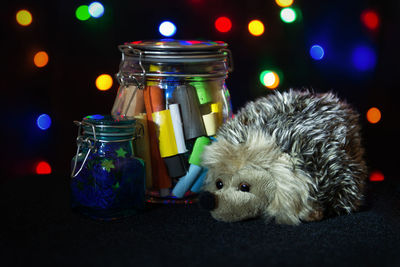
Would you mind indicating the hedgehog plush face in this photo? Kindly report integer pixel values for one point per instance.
(253, 179)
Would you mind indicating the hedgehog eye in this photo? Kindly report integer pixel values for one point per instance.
(219, 184)
(244, 187)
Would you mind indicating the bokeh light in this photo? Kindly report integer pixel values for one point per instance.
(43, 167)
(256, 27)
(104, 82)
(284, 3)
(96, 9)
(95, 117)
(269, 79)
(24, 17)
(374, 115)
(167, 28)
(376, 176)
(370, 19)
(43, 122)
(288, 15)
(317, 52)
(41, 59)
(223, 24)
(364, 58)
(82, 12)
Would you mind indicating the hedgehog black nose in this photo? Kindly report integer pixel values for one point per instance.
(207, 200)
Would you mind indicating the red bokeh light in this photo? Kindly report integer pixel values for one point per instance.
(376, 176)
(370, 19)
(43, 168)
(223, 24)
(194, 42)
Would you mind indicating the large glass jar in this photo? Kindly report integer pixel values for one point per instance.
(107, 180)
(177, 90)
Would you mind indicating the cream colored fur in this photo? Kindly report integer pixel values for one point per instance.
(278, 189)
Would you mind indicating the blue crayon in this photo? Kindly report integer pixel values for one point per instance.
(169, 89)
(169, 86)
(199, 182)
(187, 181)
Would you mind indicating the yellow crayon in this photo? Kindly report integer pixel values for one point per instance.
(165, 133)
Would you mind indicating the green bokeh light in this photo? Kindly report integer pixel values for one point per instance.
(262, 75)
(82, 12)
(288, 15)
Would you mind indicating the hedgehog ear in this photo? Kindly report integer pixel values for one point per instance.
(288, 192)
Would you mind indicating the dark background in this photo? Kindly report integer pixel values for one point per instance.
(79, 51)
(39, 225)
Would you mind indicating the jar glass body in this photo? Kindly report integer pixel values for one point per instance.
(208, 78)
(165, 93)
(111, 183)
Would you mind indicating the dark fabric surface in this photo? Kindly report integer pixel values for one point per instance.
(39, 227)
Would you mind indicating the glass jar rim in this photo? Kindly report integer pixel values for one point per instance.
(176, 51)
(192, 55)
(108, 126)
(177, 45)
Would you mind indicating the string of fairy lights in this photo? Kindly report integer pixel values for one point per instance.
(363, 57)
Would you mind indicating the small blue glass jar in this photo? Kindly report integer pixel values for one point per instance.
(107, 180)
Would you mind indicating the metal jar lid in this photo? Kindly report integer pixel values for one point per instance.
(165, 51)
(170, 50)
(177, 45)
(107, 127)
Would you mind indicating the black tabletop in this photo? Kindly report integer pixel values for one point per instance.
(39, 227)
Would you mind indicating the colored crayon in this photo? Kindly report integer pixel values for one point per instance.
(142, 148)
(153, 100)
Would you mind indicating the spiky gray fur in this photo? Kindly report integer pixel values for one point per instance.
(318, 137)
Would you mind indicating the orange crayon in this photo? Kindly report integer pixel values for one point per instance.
(154, 101)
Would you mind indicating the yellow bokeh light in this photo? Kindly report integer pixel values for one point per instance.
(24, 17)
(256, 27)
(41, 59)
(104, 82)
(374, 115)
(284, 3)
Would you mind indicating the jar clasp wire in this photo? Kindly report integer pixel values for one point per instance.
(124, 78)
(229, 62)
(79, 141)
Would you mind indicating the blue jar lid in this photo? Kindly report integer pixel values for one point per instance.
(108, 127)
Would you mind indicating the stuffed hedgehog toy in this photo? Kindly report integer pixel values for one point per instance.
(293, 156)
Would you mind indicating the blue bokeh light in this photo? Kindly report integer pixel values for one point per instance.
(364, 58)
(43, 122)
(167, 28)
(95, 117)
(96, 9)
(317, 52)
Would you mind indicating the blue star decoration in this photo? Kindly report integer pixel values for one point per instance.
(121, 152)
